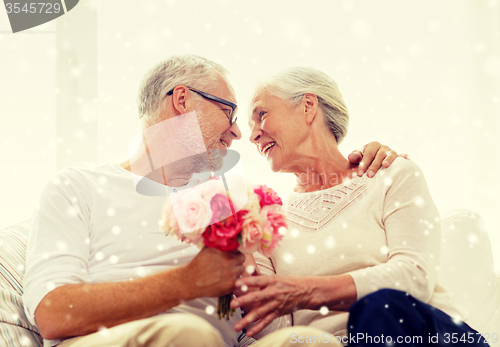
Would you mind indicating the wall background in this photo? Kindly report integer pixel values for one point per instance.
(421, 76)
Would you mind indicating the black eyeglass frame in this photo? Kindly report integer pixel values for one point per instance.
(232, 119)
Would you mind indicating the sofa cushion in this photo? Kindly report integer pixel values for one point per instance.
(467, 269)
(15, 329)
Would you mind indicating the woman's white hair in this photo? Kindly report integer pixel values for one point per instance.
(189, 70)
(291, 84)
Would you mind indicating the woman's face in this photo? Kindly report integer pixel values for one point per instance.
(277, 129)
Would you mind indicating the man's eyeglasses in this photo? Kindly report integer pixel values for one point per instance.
(232, 117)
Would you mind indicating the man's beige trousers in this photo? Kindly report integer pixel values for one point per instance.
(182, 330)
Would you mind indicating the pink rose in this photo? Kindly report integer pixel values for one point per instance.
(211, 188)
(274, 220)
(267, 196)
(192, 211)
(251, 234)
(221, 208)
(169, 223)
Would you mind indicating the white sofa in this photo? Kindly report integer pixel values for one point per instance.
(466, 268)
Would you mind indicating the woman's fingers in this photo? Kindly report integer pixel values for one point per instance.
(254, 281)
(252, 298)
(262, 324)
(257, 314)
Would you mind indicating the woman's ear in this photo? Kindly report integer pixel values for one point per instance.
(310, 106)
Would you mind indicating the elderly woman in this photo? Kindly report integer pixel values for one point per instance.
(362, 249)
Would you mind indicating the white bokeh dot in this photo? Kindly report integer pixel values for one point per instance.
(472, 238)
(288, 258)
(419, 201)
(61, 246)
(71, 211)
(210, 309)
(250, 269)
(141, 271)
(116, 230)
(51, 286)
(25, 341)
(330, 242)
(103, 331)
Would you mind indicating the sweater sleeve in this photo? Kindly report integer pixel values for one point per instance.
(58, 245)
(413, 235)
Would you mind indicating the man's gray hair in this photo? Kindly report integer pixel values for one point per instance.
(189, 70)
(291, 84)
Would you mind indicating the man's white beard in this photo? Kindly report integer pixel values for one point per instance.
(213, 159)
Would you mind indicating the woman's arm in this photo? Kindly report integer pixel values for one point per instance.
(412, 228)
(413, 237)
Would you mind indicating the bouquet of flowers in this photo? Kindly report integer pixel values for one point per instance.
(229, 219)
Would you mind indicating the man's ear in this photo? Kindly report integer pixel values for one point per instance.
(310, 106)
(181, 99)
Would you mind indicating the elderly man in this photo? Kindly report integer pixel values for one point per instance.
(98, 272)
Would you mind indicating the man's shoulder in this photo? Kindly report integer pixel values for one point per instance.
(72, 178)
(401, 167)
(75, 172)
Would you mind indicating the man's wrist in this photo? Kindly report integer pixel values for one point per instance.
(181, 278)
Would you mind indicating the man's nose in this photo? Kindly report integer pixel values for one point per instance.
(235, 131)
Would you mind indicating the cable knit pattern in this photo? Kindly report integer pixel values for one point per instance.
(311, 213)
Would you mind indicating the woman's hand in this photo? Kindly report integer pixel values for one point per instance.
(278, 295)
(372, 156)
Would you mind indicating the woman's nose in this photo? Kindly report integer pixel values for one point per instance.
(255, 135)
